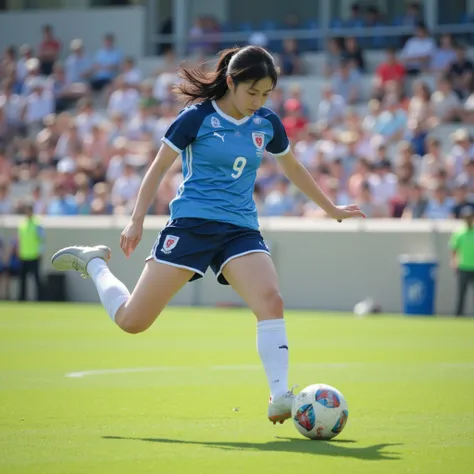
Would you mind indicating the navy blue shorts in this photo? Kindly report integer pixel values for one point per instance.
(196, 244)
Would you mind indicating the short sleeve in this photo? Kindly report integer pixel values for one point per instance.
(183, 131)
(279, 145)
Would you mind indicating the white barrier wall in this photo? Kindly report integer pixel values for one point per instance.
(323, 265)
(126, 23)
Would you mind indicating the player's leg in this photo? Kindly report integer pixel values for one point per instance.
(134, 312)
(463, 279)
(24, 270)
(253, 276)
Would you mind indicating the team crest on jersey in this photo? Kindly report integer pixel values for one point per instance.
(258, 140)
(215, 122)
(169, 244)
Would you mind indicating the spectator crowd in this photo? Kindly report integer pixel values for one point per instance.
(77, 135)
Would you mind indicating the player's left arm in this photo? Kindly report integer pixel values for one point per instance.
(303, 180)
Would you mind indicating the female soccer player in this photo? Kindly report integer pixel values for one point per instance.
(221, 138)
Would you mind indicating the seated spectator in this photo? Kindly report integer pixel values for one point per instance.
(353, 53)
(440, 204)
(12, 105)
(305, 148)
(142, 125)
(418, 51)
(279, 201)
(417, 203)
(106, 64)
(467, 175)
(7, 131)
(367, 204)
(363, 172)
(8, 64)
(124, 99)
(32, 67)
(346, 82)
(443, 56)
(431, 161)
(391, 123)
(461, 199)
(419, 108)
(373, 17)
(78, 65)
(62, 203)
(39, 103)
(399, 201)
(86, 117)
(65, 93)
(467, 111)
(276, 101)
(294, 121)
(48, 51)
(132, 76)
(416, 134)
(388, 71)
(462, 151)
(461, 73)
(386, 185)
(335, 192)
(95, 143)
(290, 59)
(125, 189)
(332, 107)
(26, 53)
(445, 102)
(413, 15)
(356, 18)
(333, 56)
(6, 202)
(294, 92)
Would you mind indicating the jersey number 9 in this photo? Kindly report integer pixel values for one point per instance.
(239, 165)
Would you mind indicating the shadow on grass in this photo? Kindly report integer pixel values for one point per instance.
(336, 448)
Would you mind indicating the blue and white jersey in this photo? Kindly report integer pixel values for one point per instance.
(221, 156)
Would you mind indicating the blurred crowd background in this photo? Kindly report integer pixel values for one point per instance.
(79, 128)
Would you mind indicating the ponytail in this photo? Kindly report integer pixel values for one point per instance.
(198, 85)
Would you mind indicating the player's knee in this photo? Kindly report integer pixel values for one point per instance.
(273, 303)
(134, 323)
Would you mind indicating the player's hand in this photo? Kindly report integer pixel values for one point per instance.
(346, 212)
(131, 236)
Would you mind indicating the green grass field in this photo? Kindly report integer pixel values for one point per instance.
(194, 397)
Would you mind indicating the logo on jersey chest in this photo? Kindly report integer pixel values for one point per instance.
(169, 244)
(258, 140)
(215, 122)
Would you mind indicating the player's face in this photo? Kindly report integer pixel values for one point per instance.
(250, 96)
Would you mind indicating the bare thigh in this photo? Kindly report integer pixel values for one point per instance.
(254, 278)
(156, 286)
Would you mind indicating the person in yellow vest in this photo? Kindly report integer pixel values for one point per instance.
(30, 250)
(462, 256)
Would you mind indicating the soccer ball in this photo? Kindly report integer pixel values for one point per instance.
(319, 412)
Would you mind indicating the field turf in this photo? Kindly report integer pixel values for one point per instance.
(79, 396)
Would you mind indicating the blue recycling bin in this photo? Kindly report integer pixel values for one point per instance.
(418, 284)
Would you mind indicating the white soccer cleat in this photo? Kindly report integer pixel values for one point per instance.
(279, 410)
(77, 258)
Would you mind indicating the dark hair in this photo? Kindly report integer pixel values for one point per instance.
(250, 63)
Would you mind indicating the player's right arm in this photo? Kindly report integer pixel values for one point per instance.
(132, 233)
(181, 133)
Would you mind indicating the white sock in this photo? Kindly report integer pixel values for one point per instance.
(272, 346)
(112, 292)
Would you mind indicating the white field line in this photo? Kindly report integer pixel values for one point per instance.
(125, 370)
(334, 365)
